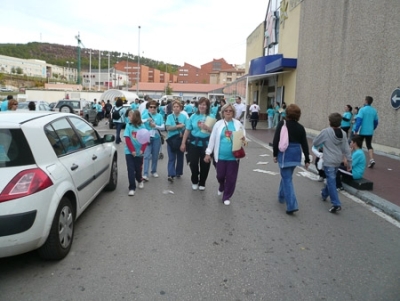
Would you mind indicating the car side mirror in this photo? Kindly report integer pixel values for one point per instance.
(108, 138)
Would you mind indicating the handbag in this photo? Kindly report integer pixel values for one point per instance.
(284, 138)
(175, 142)
(239, 154)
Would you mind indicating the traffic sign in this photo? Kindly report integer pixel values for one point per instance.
(395, 98)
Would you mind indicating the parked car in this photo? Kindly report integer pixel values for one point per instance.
(52, 166)
(40, 105)
(111, 124)
(79, 107)
(4, 89)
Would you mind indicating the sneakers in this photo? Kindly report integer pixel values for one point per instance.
(227, 202)
(155, 175)
(141, 185)
(371, 163)
(335, 209)
(340, 188)
(290, 212)
(145, 178)
(202, 188)
(131, 192)
(170, 179)
(220, 192)
(320, 179)
(195, 186)
(323, 198)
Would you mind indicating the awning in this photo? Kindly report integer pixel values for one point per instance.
(253, 78)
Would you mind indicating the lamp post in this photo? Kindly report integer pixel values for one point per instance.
(127, 73)
(90, 70)
(108, 72)
(138, 68)
(98, 89)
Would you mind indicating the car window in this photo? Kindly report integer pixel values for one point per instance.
(14, 148)
(87, 134)
(23, 105)
(62, 137)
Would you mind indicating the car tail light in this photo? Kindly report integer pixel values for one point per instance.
(25, 183)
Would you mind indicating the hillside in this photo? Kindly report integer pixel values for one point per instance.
(59, 55)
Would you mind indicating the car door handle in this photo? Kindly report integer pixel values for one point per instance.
(74, 166)
(94, 157)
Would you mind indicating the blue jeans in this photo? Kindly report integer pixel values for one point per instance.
(118, 127)
(151, 153)
(286, 189)
(330, 187)
(175, 163)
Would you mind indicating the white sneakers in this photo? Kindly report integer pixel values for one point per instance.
(220, 192)
(195, 186)
(131, 192)
(145, 178)
(202, 188)
(227, 202)
(155, 175)
(141, 185)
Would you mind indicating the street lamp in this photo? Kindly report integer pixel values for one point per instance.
(98, 89)
(138, 68)
(90, 70)
(108, 72)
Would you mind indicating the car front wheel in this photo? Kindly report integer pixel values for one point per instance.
(113, 181)
(61, 234)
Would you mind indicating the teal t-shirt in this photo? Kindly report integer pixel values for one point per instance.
(225, 146)
(134, 106)
(192, 124)
(214, 110)
(344, 123)
(158, 120)
(358, 164)
(130, 131)
(172, 120)
(188, 108)
(271, 112)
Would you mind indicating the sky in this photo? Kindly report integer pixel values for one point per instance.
(172, 31)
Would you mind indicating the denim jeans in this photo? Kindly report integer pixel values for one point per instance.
(286, 189)
(118, 127)
(330, 187)
(151, 153)
(175, 163)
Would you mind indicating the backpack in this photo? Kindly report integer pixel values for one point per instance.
(284, 138)
(115, 114)
(169, 108)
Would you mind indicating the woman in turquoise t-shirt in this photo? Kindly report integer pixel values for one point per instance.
(134, 150)
(198, 133)
(346, 119)
(175, 125)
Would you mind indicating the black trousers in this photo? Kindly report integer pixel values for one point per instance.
(198, 167)
(254, 120)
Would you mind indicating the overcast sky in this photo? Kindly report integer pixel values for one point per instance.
(173, 31)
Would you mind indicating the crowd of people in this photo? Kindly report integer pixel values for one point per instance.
(200, 132)
(338, 150)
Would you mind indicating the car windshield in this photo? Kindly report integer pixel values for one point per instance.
(23, 105)
(14, 149)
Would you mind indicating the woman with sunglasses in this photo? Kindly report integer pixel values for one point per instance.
(175, 126)
(154, 122)
(198, 133)
(220, 144)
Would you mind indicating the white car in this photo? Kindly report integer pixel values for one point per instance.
(6, 89)
(52, 166)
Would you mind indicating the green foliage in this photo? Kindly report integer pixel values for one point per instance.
(168, 90)
(56, 54)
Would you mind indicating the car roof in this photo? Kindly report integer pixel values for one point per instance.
(17, 118)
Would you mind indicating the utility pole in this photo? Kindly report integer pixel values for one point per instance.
(138, 68)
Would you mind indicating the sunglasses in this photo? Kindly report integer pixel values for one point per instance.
(228, 111)
(152, 107)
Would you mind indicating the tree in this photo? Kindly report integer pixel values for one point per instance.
(19, 70)
(12, 70)
(168, 90)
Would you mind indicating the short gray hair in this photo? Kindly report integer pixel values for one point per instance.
(225, 106)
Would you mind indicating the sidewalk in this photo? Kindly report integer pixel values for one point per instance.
(385, 175)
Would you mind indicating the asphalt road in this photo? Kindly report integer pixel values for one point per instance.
(189, 246)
